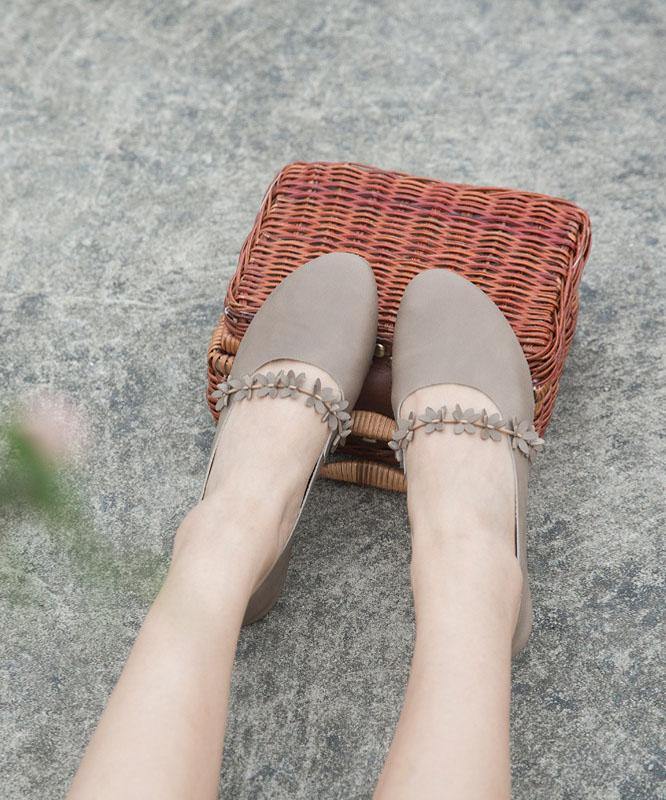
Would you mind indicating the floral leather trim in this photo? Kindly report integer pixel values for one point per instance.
(522, 434)
(326, 402)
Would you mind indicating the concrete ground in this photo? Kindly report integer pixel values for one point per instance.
(136, 140)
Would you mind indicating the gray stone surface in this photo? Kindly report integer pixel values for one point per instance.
(136, 140)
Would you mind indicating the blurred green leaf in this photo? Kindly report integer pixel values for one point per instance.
(31, 484)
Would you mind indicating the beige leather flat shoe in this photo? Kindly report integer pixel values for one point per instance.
(324, 314)
(449, 332)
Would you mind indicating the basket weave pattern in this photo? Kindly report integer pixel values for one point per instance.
(526, 251)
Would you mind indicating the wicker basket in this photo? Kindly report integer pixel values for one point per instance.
(526, 251)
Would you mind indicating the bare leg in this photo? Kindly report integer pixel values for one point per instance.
(452, 739)
(162, 731)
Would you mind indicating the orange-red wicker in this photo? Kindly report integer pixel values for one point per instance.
(525, 250)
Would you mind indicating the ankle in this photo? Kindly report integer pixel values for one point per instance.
(466, 563)
(484, 549)
(223, 546)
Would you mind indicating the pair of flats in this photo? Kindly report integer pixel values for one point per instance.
(447, 332)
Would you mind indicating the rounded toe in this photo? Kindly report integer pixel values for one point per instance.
(324, 313)
(343, 275)
(449, 291)
(449, 331)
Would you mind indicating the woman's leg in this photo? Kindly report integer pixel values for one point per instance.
(161, 733)
(452, 739)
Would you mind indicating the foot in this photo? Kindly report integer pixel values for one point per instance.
(264, 459)
(461, 500)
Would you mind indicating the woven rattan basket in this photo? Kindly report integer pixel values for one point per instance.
(525, 250)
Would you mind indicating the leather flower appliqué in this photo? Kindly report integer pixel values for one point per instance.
(327, 403)
(522, 433)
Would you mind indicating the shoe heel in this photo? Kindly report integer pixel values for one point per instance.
(524, 624)
(269, 590)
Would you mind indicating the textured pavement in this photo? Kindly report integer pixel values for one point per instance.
(136, 140)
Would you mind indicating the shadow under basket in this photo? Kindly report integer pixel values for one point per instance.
(525, 251)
